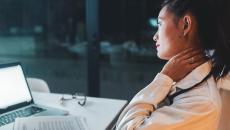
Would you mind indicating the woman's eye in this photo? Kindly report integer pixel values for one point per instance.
(158, 23)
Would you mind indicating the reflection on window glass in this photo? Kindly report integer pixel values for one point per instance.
(49, 38)
(43, 35)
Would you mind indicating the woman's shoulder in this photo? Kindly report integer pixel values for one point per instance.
(205, 93)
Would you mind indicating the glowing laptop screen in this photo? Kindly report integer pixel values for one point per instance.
(13, 87)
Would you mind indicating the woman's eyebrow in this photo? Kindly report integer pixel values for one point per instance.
(160, 18)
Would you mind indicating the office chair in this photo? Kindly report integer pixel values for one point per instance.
(38, 85)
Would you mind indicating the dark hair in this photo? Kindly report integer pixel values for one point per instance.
(213, 27)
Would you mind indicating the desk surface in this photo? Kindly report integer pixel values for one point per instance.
(99, 112)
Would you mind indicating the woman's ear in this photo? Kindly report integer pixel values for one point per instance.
(187, 24)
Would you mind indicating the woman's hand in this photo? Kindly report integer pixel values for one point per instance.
(183, 63)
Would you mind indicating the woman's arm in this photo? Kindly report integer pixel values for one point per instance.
(197, 114)
(145, 102)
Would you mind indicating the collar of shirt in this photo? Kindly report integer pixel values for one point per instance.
(194, 77)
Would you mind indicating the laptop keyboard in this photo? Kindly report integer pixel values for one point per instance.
(10, 117)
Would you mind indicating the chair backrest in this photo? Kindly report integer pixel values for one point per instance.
(225, 117)
(38, 85)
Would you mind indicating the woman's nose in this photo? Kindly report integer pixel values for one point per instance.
(155, 37)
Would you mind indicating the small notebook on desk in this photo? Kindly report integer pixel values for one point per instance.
(51, 123)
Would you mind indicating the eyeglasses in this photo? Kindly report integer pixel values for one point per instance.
(79, 97)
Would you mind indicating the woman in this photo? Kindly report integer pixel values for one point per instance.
(184, 95)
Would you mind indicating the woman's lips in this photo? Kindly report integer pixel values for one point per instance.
(157, 45)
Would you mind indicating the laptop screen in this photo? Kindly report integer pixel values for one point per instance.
(13, 87)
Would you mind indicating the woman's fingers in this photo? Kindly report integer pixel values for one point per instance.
(188, 53)
(196, 58)
(185, 52)
(183, 63)
(196, 61)
(192, 54)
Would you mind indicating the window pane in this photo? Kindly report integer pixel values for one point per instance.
(48, 37)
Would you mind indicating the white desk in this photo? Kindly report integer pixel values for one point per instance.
(99, 112)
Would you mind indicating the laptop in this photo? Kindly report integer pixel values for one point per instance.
(16, 99)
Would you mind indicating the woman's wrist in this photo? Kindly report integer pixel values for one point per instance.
(166, 73)
(165, 77)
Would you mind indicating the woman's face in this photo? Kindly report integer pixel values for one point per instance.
(168, 38)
